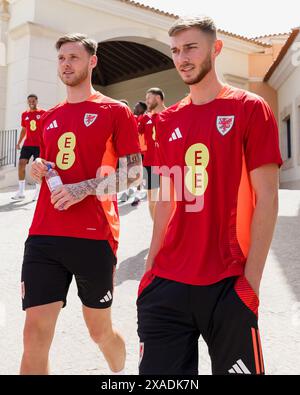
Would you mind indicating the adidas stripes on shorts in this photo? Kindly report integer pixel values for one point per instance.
(172, 316)
(50, 262)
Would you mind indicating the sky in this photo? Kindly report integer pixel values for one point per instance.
(251, 19)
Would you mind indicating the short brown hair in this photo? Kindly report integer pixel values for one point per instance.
(89, 44)
(203, 23)
(32, 95)
(157, 91)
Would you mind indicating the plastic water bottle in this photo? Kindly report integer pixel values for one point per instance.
(53, 179)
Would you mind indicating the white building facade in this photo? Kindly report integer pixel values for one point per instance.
(285, 78)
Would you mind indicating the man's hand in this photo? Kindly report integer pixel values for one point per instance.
(129, 173)
(18, 146)
(254, 281)
(67, 195)
(39, 169)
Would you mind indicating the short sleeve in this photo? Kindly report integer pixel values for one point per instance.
(125, 134)
(261, 139)
(162, 167)
(41, 137)
(141, 124)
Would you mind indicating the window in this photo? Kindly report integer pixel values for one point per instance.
(287, 139)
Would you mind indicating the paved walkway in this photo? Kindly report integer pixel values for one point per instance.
(74, 353)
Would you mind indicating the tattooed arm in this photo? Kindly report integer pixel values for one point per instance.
(129, 174)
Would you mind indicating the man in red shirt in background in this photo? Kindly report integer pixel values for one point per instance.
(214, 220)
(139, 110)
(155, 104)
(75, 229)
(30, 122)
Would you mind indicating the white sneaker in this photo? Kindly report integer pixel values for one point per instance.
(124, 197)
(18, 196)
(131, 191)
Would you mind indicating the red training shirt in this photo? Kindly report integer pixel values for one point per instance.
(216, 146)
(146, 128)
(30, 120)
(81, 138)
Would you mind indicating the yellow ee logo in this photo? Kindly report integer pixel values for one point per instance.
(33, 125)
(196, 160)
(66, 155)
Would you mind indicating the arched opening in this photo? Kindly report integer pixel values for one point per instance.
(121, 61)
(129, 66)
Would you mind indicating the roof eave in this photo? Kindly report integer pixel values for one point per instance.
(170, 15)
(282, 53)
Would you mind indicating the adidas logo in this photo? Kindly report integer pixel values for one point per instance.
(27, 119)
(149, 122)
(52, 125)
(239, 368)
(176, 135)
(106, 298)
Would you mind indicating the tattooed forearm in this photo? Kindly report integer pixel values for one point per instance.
(128, 174)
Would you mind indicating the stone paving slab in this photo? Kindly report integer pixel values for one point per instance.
(74, 353)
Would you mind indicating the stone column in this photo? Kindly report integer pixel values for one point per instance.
(4, 18)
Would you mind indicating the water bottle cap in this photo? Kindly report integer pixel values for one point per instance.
(49, 166)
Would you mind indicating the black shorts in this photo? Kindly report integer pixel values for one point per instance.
(172, 316)
(50, 263)
(152, 179)
(28, 151)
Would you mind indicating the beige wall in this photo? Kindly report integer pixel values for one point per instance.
(3, 77)
(259, 64)
(3, 68)
(232, 67)
(268, 93)
(276, 49)
(35, 25)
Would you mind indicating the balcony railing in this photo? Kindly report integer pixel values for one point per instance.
(8, 151)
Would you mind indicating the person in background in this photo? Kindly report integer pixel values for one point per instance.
(30, 133)
(155, 104)
(139, 110)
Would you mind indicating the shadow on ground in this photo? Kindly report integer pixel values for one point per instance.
(13, 206)
(132, 268)
(286, 246)
(127, 208)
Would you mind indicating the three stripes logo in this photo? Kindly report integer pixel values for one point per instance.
(239, 368)
(106, 298)
(52, 125)
(258, 357)
(176, 135)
